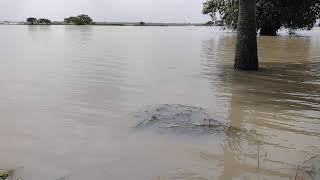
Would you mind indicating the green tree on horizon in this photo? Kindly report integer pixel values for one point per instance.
(44, 21)
(69, 19)
(32, 20)
(82, 19)
(142, 23)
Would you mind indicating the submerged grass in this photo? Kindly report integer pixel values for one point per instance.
(312, 171)
(5, 174)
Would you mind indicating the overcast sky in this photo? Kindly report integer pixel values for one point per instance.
(105, 10)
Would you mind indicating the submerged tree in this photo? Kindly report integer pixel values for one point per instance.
(246, 56)
(271, 14)
(32, 20)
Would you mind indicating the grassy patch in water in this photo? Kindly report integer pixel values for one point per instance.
(5, 174)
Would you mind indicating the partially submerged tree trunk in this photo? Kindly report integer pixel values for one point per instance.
(246, 55)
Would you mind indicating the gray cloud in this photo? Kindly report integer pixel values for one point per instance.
(106, 10)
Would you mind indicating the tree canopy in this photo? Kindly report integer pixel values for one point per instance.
(79, 20)
(40, 21)
(44, 21)
(142, 23)
(271, 14)
(32, 20)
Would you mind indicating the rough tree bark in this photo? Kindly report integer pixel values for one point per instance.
(246, 55)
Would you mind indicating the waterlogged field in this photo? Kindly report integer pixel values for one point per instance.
(69, 94)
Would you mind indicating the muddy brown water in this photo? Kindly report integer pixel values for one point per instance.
(68, 93)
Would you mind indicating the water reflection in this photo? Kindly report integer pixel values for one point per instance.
(282, 98)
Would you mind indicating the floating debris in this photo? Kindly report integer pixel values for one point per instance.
(180, 119)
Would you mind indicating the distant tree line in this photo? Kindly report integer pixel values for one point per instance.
(40, 21)
(82, 19)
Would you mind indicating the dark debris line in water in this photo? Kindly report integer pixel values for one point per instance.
(180, 119)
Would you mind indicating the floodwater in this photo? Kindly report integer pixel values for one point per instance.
(68, 94)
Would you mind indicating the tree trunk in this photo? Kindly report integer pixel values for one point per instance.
(268, 31)
(246, 55)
